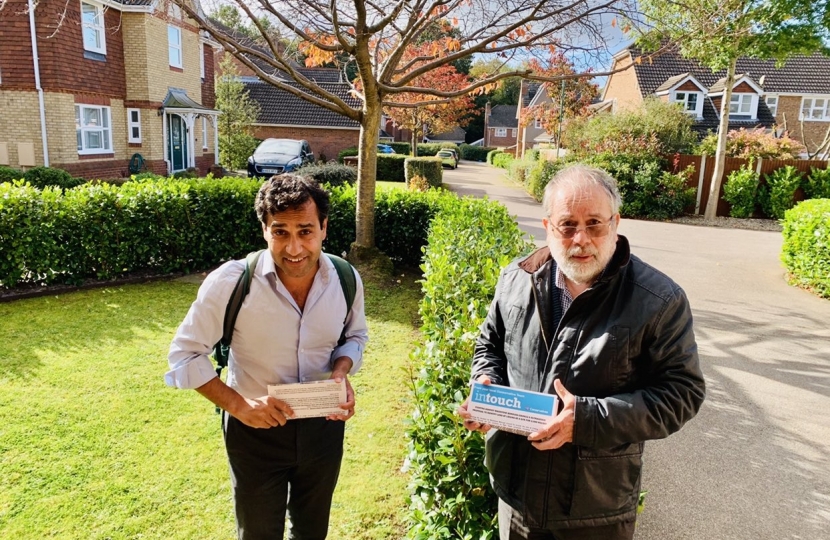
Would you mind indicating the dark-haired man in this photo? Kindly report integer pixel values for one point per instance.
(612, 337)
(287, 331)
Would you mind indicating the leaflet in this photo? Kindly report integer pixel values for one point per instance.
(510, 409)
(311, 399)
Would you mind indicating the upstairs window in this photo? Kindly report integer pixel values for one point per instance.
(772, 105)
(688, 101)
(816, 109)
(501, 132)
(92, 22)
(741, 105)
(538, 123)
(174, 46)
(92, 128)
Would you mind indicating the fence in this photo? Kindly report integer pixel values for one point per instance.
(704, 168)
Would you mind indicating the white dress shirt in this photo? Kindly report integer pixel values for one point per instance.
(274, 341)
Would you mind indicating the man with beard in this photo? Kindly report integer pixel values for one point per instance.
(608, 334)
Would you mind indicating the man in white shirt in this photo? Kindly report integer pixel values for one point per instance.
(287, 331)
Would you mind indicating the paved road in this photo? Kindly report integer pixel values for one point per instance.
(755, 463)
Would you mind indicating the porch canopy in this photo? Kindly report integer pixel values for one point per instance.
(178, 102)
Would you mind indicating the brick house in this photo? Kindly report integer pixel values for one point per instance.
(101, 81)
(795, 96)
(501, 126)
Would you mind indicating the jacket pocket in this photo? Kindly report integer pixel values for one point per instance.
(606, 481)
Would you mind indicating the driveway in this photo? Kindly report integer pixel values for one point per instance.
(755, 463)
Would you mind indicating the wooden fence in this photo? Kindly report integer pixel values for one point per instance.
(704, 168)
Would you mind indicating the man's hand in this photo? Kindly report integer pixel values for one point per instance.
(560, 430)
(462, 411)
(340, 372)
(264, 412)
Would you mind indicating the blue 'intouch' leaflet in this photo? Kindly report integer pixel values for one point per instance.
(511, 409)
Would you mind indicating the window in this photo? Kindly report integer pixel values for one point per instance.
(741, 105)
(538, 123)
(174, 45)
(202, 63)
(816, 108)
(204, 133)
(501, 132)
(92, 19)
(513, 132)
(92, 128)
(134, 125)
(772, 105)
(688, 100)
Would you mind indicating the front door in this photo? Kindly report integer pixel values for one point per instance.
(177, 142)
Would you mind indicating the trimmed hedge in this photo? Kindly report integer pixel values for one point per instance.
(492, 154)
(401, 147)
(346, 152)
(40, 177)
(806, 249)
(9, 174)
(428, 167)
(449, 494)
(429, 149)
(390, 167)
(333, 174)
(474, 153)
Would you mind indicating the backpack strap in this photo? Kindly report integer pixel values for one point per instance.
(345, 272)
(243, 285)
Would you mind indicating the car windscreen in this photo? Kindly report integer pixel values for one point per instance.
(291, 148)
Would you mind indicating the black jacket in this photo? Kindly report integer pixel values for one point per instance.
(625, 348)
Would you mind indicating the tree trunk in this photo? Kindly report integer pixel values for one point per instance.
(720, 155)
(367, 174)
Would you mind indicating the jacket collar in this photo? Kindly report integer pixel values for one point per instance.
(622, 255)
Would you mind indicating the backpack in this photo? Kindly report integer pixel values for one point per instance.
(222, 348)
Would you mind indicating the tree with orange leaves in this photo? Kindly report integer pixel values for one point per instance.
(375, 40)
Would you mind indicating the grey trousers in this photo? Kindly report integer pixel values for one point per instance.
(512, 527)
(290, 469)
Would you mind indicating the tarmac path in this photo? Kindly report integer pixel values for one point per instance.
(755, 463)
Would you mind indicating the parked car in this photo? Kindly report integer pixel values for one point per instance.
(447, 158)
(276, 156)
(385, 149)
(454, 153)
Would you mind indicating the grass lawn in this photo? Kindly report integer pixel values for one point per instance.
(93, 445)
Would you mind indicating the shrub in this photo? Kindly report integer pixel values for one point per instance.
(235, 149)
(532, 154)
(539, 176)
(390, 167)
(492, 154)
(146, 175)
(817, 184)
(428, 149)
(777, 196)
(657, 194)
(418, 183)
(806, 248)
(9, 174)
(741, 191)
(190, 172)
(429, 167)
(333, 174)
(656, 128)
(752, 143)
(401, 148)
(474, 153)
(40, 177)
(503, 160)
(469, 243)
(346, 152)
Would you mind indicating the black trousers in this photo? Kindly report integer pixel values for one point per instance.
(290, 469)
(512, 527)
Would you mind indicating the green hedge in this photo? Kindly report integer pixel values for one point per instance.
(449, 493)
(9, 174)
(333, 174)
(474, 153)
(390, 167)
(502, 160)
(401, 147)
(806, 249)
(741, 191)
(492, 154)
(346, 152)
(428, 149)
(429, 167)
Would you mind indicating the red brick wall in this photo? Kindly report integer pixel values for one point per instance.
(204, 163)
(324, 141)
(509, 140)
(744, 88)
(62, 63)
(118, 168)
(688, 86)
(208, 94)
(16, 68)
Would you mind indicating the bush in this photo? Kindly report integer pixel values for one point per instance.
(146, 175)
(806, 248)
(401, 148)
(390, 167)
(817, 184)
(492, 154)
(469, 243)
(235, 149)
(428, 149)
(503, 160)
(532, 154)
(418, 183)
(656, 128)
(333, 174)
(752, 143)
(540, 174)
(40, 177)
(474, 153)
(345, 153)
(429, 167)
(777, 196)
(741, 191)
(657, 194)
(9, 174)
(190, 172)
